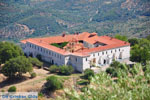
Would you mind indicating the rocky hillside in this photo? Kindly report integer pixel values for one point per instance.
(31, 18)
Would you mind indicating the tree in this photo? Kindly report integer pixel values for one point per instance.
(8, 51)
(133, 41)
(54, 69)
(140, 54)
(53, 83)
(116, 66)
(16, 67)
(35, 62)
(121, 37)
(88, 73)
(66, 70)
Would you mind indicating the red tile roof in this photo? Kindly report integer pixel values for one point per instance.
(85, 36)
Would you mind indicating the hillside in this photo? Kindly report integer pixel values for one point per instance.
(31, 18)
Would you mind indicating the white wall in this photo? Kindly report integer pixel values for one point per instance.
(108, 56)
(75, 61)
(47, 55)
(79, 63)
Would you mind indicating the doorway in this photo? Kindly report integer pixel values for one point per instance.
(104, 61)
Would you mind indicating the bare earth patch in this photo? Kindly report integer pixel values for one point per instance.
(34, 84)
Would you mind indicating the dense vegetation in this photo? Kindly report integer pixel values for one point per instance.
(115, 67)
(30, 18)
(125, 87)
(140, 51)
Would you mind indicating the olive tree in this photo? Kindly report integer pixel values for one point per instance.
(16, 67)
(8, 51)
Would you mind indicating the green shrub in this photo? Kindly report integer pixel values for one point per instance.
(12, 89)
(36, 62)
(114, 74)
(66, 70)
(53, 83)
(115, 64)
(83, 82)
(110, 70)
(54, 69)
(88, 73)
(83, 89)
(33, 74)
(40, 94)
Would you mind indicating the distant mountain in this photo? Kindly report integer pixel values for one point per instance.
(30, 18)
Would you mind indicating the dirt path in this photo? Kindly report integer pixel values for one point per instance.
(34, 84)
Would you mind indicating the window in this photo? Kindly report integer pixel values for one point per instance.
(94, 55)
(76, 59)
(111, 51)
(49, 53)
(119, 49)
(41, 49)
(86, 59)
(103, 53)
(115, 50)
(98, 54)
(106, 52)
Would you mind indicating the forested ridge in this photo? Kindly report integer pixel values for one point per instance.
(31, 18)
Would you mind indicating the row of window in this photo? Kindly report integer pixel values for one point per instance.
(44, 51)
(106, 52)
(76, 59)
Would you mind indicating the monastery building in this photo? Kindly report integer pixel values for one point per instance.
(82, 51)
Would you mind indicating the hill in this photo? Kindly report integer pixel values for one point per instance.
(31, 18)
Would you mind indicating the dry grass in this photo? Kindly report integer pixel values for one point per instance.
(34, 84)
